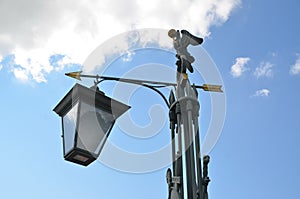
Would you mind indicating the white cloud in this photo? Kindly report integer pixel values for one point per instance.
(262, 93)
(239, 68)
(264, 70)
(21, 74)
(295, 69)
(66, 60)
(75, 28)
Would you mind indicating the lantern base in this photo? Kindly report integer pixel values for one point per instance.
(80, 156)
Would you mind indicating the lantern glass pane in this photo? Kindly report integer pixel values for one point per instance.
(69, 125)
(93, 128)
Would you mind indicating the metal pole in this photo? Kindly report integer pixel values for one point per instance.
(197, 145)
(206, 179)
(198, 159)
(179, 163)
(186, 98)
(190, 161)
(172, 118)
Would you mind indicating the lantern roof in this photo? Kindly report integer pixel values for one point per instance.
(93, 97)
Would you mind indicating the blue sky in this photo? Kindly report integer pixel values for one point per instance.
(254, 44)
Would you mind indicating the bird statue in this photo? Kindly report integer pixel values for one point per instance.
(181, 42)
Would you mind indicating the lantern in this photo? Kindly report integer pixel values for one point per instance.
(87, 119)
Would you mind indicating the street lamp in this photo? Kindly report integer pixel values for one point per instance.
(87, 119)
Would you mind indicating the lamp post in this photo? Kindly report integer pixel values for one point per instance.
(88, 117)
